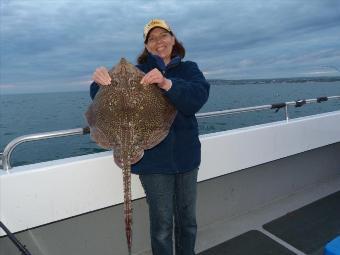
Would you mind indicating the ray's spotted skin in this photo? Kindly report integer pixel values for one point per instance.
(129, 118)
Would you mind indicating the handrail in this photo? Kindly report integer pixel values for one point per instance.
(277, 106)
(6, 155)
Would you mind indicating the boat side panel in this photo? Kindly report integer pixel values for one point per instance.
(238, 149)
(221, 202)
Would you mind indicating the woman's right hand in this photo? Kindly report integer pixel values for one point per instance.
(101, 76)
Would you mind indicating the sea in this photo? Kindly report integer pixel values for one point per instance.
(22, 114)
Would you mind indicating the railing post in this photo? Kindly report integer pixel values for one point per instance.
(286, 112)
(1, 155)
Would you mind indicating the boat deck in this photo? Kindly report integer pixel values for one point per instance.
(304, 230)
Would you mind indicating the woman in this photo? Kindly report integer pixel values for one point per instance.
(168, 172)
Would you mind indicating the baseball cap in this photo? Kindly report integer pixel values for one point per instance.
(155, 23)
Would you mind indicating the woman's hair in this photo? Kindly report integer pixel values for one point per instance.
(177, 50)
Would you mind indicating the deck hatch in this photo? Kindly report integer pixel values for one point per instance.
(251, 242)
(311, 227)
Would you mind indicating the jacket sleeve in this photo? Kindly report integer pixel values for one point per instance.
(94, 87)
(190, 94)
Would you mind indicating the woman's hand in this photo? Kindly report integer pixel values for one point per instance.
(101, 76)
(155, 76)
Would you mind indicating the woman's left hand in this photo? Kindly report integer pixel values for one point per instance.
(155, 76)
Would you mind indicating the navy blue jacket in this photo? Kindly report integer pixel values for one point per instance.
(180, 151)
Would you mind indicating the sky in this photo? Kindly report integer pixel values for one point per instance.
(55, 45)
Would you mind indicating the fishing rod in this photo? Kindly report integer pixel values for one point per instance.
(14, 240)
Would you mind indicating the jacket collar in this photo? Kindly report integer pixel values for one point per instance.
(156, 61)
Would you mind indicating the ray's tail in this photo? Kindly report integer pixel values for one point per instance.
(127, 205)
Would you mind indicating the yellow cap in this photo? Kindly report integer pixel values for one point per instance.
(155, 23)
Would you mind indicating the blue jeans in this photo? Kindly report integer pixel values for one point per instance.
(172, 197)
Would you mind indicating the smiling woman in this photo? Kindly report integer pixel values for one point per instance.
(168, 171)
(152, 42)
(160, 42)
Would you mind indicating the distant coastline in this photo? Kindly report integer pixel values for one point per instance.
(215, 82)
(274, 80)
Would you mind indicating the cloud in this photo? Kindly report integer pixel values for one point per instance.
(58, 42)
(320, 72)
(7, 86)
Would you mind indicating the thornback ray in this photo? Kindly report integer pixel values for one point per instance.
(128, 118)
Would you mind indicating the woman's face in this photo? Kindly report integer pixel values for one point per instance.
(160, 42)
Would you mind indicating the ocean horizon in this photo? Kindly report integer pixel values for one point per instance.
(215, 81)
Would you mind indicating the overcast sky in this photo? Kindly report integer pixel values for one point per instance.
(55, 45)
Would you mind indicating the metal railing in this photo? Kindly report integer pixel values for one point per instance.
(277, 106)
(5, 156)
